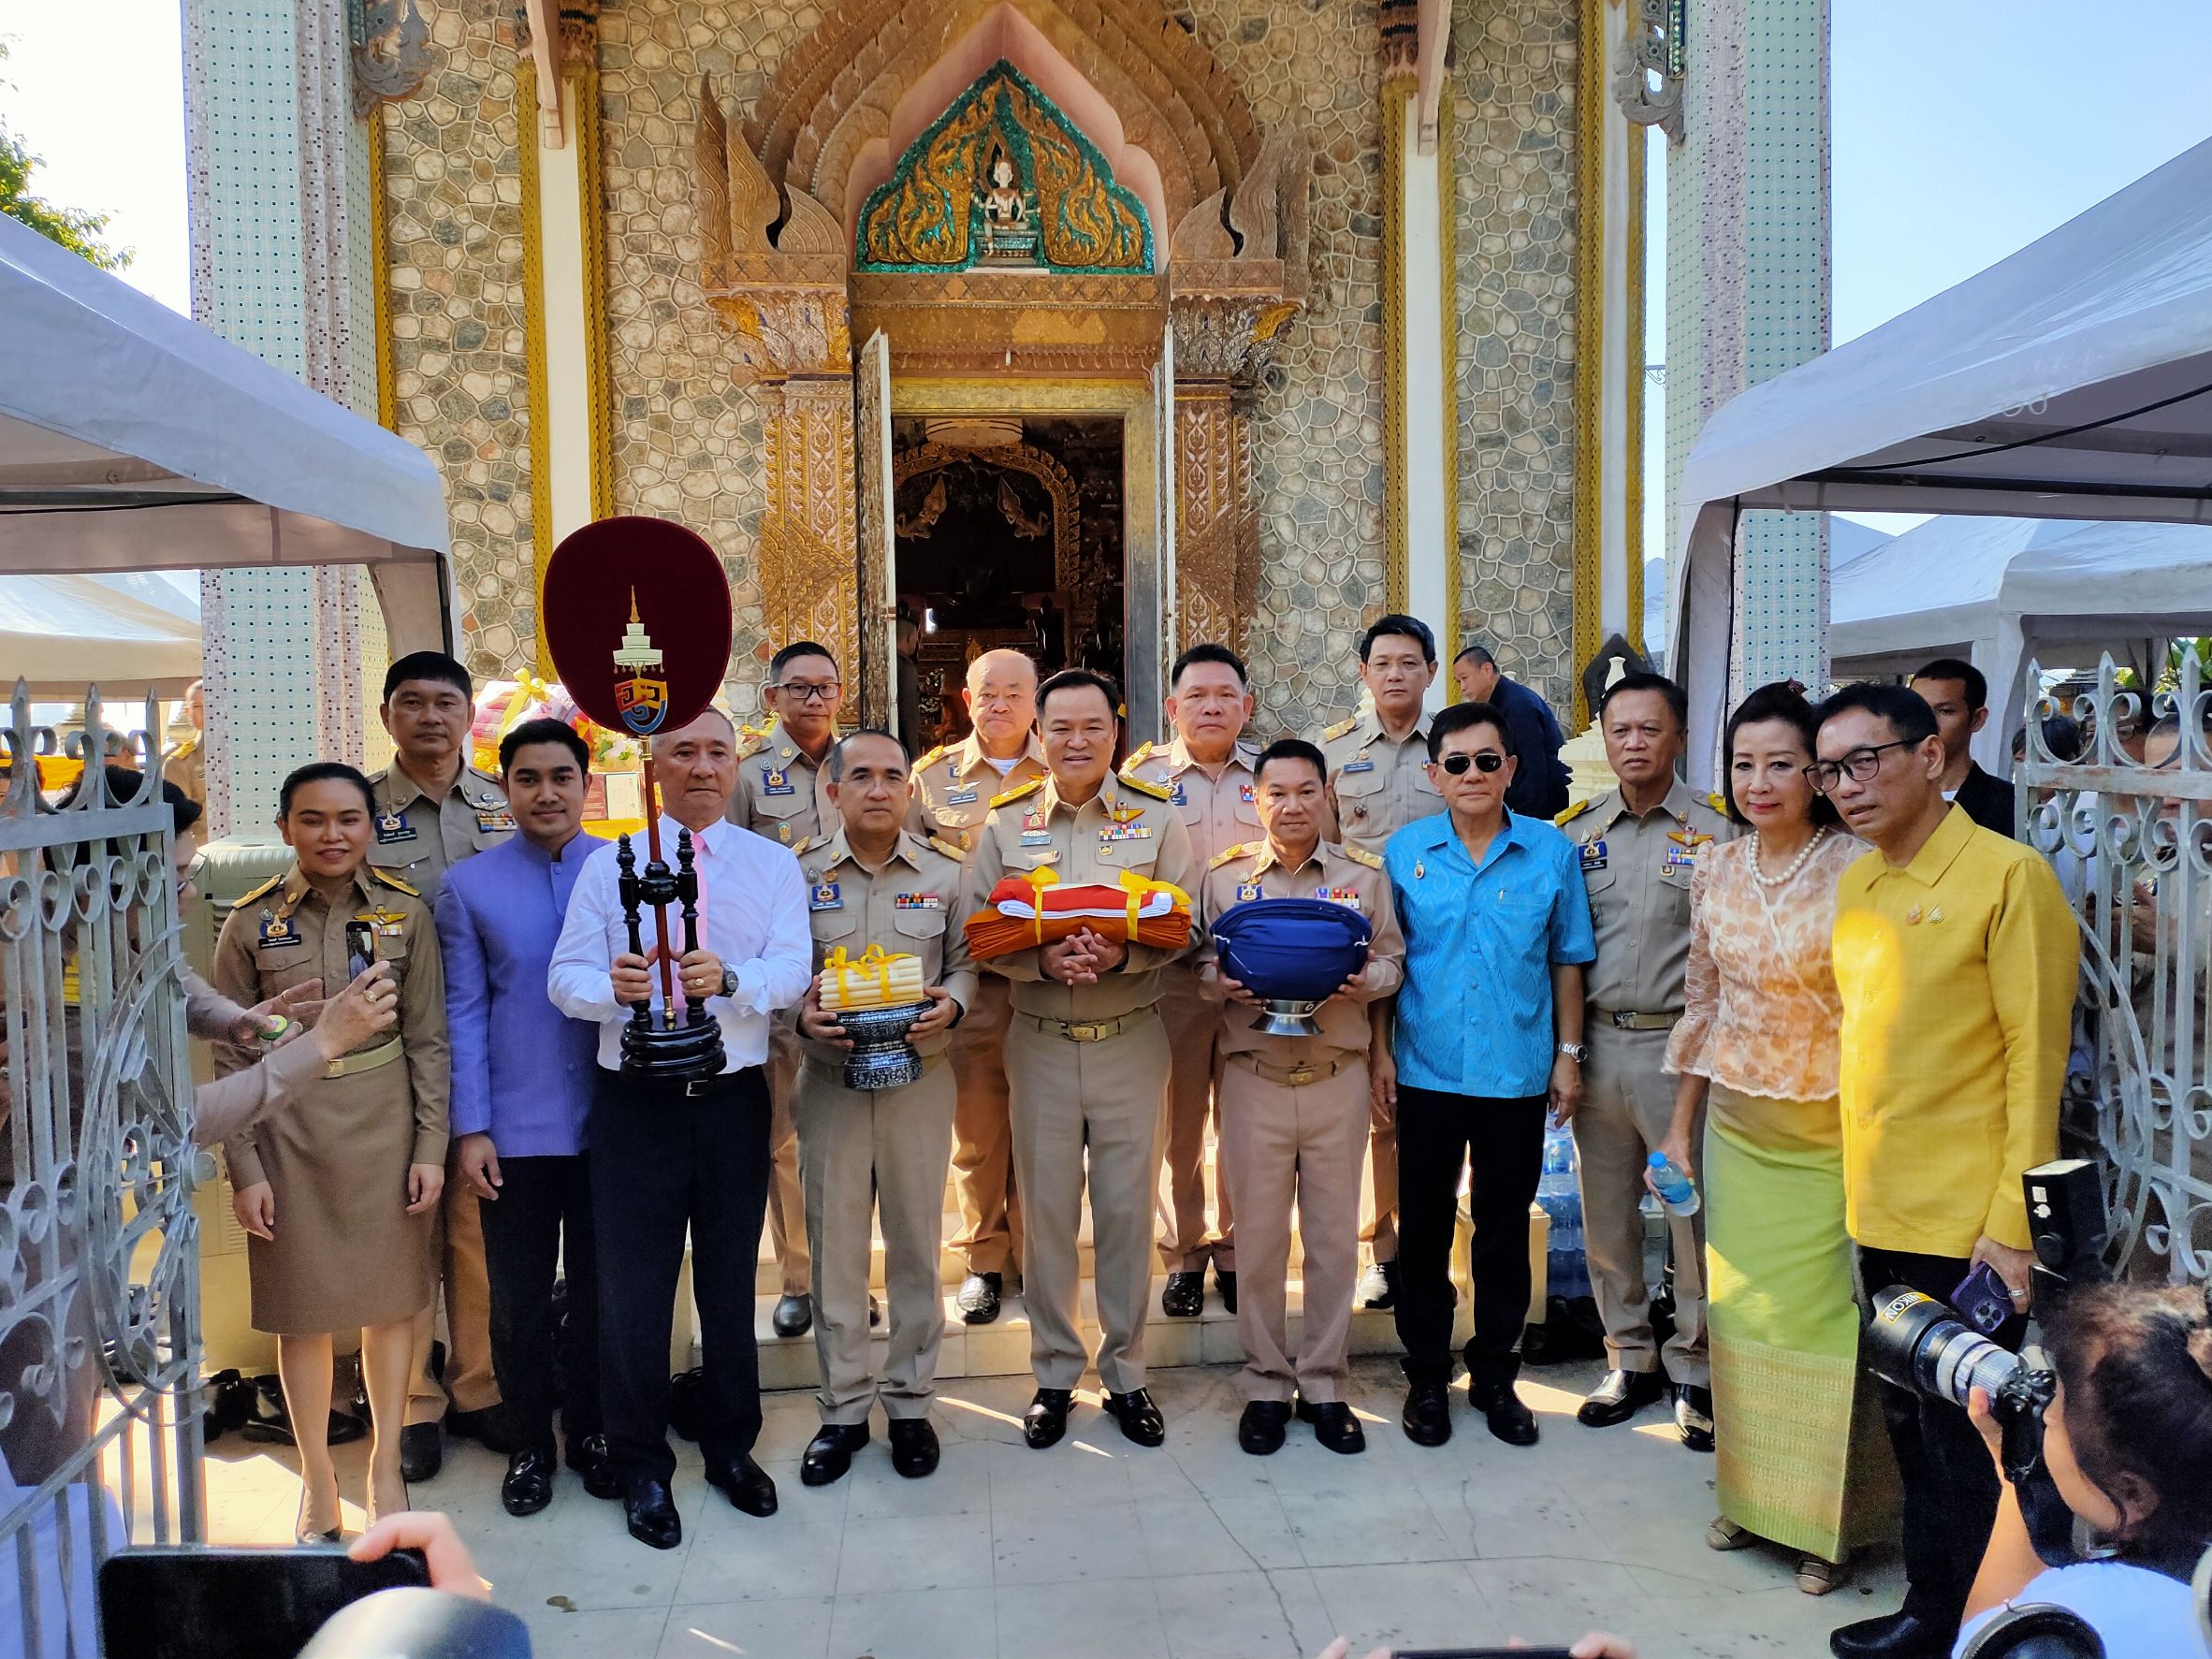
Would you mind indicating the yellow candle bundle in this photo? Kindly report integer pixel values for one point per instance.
(872, 980)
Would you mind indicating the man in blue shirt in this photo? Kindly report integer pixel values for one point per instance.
(1486, 1034)
(521, 1089)
(1539, 776)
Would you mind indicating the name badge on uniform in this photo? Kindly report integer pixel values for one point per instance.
(1037, 837)
(917, 901)
(961, 797)
(1338, 896)
(393, 826)
(1176, 797)
(1361, 765)
(490, 822)
(1247, 892)
(1594, 854)
(825, 897)
(774, 783)
(277, 931)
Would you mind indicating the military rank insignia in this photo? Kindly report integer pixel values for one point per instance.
(1125, 832)
(393, 826)
(277, 931)
(1678, 858)
(774, 781)
(495, 821)
(1245, 794)
(1035, 831)
(825, 897)
(1338, 896)
(386, 922)
(1594, 854)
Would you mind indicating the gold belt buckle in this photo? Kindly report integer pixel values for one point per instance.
(1302, 1073)
(1084, 1031)
(1624, 1020)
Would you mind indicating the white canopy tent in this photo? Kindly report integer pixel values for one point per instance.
(2072, 380)
(131, 439)
(60, 631)
(2003, 592)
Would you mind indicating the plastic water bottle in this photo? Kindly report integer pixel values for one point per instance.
(1675, 1189)
(1561, 1199)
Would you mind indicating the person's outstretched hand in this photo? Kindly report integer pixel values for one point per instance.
(432, 1533)
(1342, 1648)
(1598, 1645)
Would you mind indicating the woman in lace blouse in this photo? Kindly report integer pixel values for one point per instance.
(1757, 1046)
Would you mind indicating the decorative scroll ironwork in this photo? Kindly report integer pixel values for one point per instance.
(935, 213)
(99, 1295)
(2131, 843)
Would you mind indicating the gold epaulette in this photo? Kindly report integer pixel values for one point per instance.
(1330, 733)
(1718, 803)
(1143, 751)
(748, 742)
(389, 881)
(1016, 792)
(953, 850)
(182, 748)
(268, 886)
(1572, 813)
(809, 842)
(1361, 855)
(1158, 791)
(931, 759)
(1242, 850)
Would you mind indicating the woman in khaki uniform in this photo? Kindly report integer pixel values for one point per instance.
(337, 1195)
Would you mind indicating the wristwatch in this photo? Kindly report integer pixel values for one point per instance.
(729, 980)
(1577, 1052)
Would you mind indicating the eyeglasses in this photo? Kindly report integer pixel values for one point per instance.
(1488, 759)
(196, 872)
(802, 694)
(1862, 763)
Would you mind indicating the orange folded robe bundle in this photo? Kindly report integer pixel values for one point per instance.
(1035, 909)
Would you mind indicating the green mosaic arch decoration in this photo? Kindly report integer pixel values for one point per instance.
(929, 215)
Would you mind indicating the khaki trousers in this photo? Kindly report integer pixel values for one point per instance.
(982, 1136)
(863, 1155)
(1286, 1143)
(1627, 1102)
(1378, 1227)
(457, 1244)
(1193, 1026)
(787, 1202)
(1087, 1109)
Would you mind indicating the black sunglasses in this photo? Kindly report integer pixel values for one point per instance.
(1488, 761)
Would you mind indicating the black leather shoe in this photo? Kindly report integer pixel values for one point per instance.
(1139, 1418)
(649, 1509)
(1225, 1280)
(1620, 1397)
(1259, 1430)
(1046, 1419)
(528, 1484)
(487, 1428)
(1185, 1297)
(1692, 1417)
(1379, 1285)
(1427, 1416)
(794, 1317)
(1334, 1426)
(913, 1447)
(829, 1454)
(590, 1458)
(1893, 1636)
(1501, 1410)
(978, 1301)
(743, 1482)
(422, 1452)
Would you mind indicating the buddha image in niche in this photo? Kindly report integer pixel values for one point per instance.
(1008, 235)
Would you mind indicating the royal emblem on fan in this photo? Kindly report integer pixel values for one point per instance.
(641, 691)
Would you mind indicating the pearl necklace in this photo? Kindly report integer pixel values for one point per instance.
(1797, 864)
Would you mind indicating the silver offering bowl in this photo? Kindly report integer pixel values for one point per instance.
(1287, 1017)
(882, 1057)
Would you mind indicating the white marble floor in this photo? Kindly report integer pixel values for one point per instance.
(1098, 1548)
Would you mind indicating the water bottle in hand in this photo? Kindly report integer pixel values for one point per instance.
(1673, 1184)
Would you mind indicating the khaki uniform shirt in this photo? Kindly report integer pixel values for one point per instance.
(1375, 786)
(1350, 876)
(1125, 826)
(418, 842)
(1638, 872)
(782, 791)
(186, 766)
(285, 931)
(910, 906)
(953, 787)
(1216, 810)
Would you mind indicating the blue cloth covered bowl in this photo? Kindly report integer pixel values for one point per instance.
(1292, 950)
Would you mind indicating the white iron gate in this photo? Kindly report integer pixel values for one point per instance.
(100, 1296)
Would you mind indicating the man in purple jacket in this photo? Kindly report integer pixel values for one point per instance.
(522, 1088)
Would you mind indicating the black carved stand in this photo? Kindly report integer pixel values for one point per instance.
(662, 1045)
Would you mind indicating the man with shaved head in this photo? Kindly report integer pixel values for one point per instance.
(672, 1157)
(953, 790)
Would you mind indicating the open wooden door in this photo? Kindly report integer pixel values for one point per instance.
(878, 581)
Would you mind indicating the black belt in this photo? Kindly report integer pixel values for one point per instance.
(680, 1088)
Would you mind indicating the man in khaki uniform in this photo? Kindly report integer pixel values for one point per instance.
(783, 794)
(1207, 772)
(1378, 783)
(185, 763)
(1294, 1110)
(1639, 846)
(1086, 1057)
(953, 790)
(432, 810)
(871, 883)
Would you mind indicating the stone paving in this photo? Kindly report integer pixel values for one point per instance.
(1097, 1548)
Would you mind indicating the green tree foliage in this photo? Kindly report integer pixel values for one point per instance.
(75, 229)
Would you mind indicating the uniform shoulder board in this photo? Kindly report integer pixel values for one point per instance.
(1332, 733)
(1158, 791)
(268, 886)
(1361, 855)
(950, 849)
(1016, 792)
(391, 880)
(808, 845)
(1242, 849)
(931, 758)
(748, 742)
(1572, 813)
(1143, 754)
(1718, 804)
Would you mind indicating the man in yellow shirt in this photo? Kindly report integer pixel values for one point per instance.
(1956, 956)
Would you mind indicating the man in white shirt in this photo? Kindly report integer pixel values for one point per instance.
(670, 1156)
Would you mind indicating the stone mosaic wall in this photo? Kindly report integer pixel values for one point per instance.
(460, 381)
(1514, 131)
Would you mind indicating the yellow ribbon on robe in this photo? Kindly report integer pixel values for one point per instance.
(1141, 887)
(1041, 877)
(886, 981)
